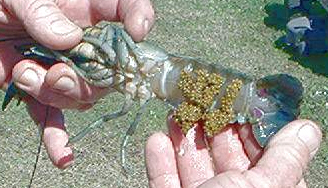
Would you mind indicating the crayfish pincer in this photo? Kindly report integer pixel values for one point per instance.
(197, 91)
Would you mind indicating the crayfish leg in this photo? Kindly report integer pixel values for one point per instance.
(132, 128)
(96, 124)
(43, 54)
(102, 37)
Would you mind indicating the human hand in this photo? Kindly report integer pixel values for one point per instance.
(235, 159)
(48, 22)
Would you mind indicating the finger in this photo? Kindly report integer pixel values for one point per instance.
(287, 155)
(229, 179)
(7, 19)
(54, 135)
(228, 152)
(237, 179)
(193, 159)
(29, 77)
(252, 149)
(62, 79)
(137, 15)
(301, 184)
(79, 11)
(45, 22)
(7, 62)
(11, 31)
(160, 161)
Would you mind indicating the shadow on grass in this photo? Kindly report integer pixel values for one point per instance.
(278, 17)
(318, 63)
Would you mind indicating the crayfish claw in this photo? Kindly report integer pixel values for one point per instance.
(12, 92)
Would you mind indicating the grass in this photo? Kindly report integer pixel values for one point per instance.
(231, 33)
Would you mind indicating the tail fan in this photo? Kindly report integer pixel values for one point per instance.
(281, 95)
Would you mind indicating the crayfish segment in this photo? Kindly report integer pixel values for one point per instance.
(200, 88)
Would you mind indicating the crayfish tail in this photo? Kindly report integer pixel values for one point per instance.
(281, 95)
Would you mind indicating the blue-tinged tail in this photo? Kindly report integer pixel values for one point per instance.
(281, 95)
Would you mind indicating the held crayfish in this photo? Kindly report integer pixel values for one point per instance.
(108, 57)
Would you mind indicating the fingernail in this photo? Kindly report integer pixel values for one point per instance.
(85, 107)
(64, 83)
(28, 78)
(146, 25)
(65, 161)
(63, 27)
(309, 135)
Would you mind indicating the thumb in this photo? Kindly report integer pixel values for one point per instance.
(287, 155)
(45, 22)
(283, 162)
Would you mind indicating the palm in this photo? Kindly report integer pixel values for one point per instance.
(234, 159)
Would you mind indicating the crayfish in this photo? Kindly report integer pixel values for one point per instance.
(197, 91)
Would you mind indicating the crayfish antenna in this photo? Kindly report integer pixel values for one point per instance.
(41, 131)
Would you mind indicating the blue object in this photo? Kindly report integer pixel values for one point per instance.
(11, 92)
(285, 93)
(308, 35)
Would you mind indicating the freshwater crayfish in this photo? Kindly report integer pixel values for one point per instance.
(108, 57)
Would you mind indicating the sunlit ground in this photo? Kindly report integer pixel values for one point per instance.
(231, 33)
